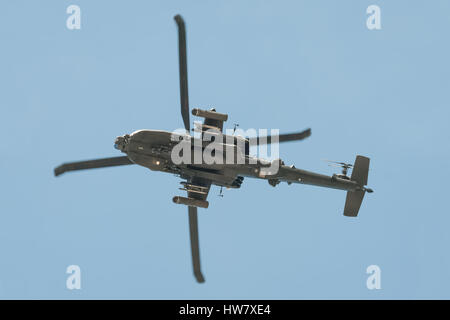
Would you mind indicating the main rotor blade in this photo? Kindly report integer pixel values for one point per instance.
(184, 97)
(282, 137)
(92, 164)
(193, 229)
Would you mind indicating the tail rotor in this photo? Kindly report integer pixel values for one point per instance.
(343, 165)
(360, 172)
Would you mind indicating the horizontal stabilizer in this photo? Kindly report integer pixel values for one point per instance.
(353, 202)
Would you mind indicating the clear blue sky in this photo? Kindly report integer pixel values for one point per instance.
(65, 95)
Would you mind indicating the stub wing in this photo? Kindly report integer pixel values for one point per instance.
(213, 120)
(197, 191)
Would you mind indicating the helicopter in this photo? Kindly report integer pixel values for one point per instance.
(154, 149)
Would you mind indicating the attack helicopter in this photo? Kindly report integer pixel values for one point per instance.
(154, 149)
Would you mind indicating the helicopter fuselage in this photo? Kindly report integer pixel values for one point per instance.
(153, 149)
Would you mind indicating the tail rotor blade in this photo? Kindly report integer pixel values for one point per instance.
(92, 164)
(193, 229)
(184, 97)
(337, 163)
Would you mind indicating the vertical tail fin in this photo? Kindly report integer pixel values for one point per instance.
(360, 170)
(360, 174)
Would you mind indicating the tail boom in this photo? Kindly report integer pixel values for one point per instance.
(355, 185)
